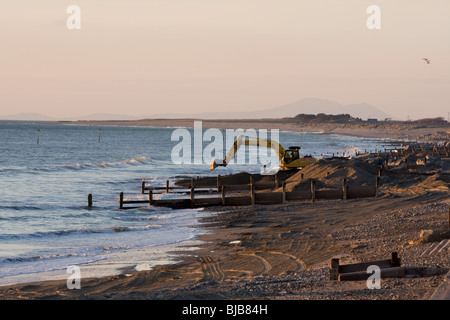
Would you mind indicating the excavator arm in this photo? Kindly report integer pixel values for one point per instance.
(248, 141)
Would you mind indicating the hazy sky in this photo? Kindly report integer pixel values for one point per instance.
(141, 57)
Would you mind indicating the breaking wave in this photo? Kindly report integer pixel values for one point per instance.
(58, 233)
(117, 164)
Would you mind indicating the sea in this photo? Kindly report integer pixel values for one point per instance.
(47, 171)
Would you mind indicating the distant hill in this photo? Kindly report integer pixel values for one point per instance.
(41, 117)
(315, 106)
(105, 116)
(306, 106)
(27, 117)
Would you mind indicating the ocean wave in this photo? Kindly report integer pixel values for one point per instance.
(39, 207)
(58, 233)
(75, 166)
(34, 258)
(20, 208)
(117, 164)
(47, 257)
(352, 150)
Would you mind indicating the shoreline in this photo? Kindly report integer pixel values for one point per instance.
(115, 264)
(381, 130)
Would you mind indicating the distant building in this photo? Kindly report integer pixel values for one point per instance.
(372, 120)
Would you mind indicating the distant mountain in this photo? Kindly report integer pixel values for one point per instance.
(27, 117)
(105, 116)
(41, 117)
(307, 106)
(315, 106)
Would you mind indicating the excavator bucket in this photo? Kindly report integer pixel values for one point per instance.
(216, 163)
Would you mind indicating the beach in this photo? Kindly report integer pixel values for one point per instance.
(283, 251)
(381, 130)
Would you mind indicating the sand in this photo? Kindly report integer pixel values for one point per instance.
(283, 251)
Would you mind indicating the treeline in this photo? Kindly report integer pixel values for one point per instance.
(431, 121)
(330, 118)
(346, 118)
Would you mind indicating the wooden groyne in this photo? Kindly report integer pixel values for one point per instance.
(358, 271)
(244, 194)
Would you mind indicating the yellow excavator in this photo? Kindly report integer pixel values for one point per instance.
(289, 159)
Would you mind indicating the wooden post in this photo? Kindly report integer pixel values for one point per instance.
(167, 186)
(121, 200)
(276, 181)
(89, 200)
(344, 189)
(192, 196)
(150, 197)
(223, 195)
(313, 191)
(143, 187)
(252, 194)
(377, 183)
(395, 260)
(334, 269)
(283, 198)
(192, 183)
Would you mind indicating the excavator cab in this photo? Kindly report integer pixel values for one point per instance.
(291, 154)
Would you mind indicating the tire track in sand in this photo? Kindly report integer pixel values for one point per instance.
(267, 266)
(211, 269)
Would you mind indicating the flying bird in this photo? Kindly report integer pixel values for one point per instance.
(427, 61)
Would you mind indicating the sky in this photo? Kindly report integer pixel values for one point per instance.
(143, 57)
